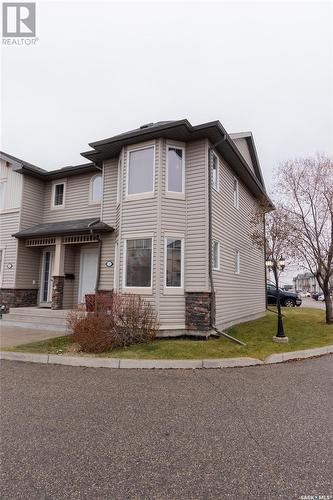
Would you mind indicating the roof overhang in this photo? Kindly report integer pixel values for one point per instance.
(82, 226)
(183, 131)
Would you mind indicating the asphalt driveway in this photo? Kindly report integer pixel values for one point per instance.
(251, 433)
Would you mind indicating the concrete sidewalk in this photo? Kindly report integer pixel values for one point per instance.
(11, 335)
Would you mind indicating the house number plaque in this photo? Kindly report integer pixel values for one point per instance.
(109, 263)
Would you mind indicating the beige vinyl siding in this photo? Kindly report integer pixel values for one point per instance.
(9, 224)
(238, 296)
(111, 217)
(28, 259)
(243, 147)
(196, 244)
(106, 280)
(28, 266)
(76, 200)
(32, 202)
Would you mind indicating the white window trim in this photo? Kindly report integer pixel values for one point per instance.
(174, 290)
(237, 262)
(142, 290)
(146, 194)
(175, 194)
(236, 192)
(218, 255)
(217, 187)
(91, 182)
(54, 184)
(2, 264)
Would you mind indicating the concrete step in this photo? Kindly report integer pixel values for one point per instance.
(50, 320)
(37, 311)
(34, 326)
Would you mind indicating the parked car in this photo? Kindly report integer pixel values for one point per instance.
(315, 295)
(321, 297)
(288, 299)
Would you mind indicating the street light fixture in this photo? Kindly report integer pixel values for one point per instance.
(277, 265)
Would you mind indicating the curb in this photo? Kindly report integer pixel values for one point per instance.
(148, 364)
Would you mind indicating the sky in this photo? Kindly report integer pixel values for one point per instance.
(101, 68)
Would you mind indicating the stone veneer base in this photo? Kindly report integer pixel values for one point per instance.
(198, 309)
(18, 297)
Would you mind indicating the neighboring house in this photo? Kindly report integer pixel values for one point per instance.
(306, 282)
(164, 211)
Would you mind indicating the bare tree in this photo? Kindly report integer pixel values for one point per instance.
(305, 188)
(274, 240)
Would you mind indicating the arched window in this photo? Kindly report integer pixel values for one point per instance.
(96, 189)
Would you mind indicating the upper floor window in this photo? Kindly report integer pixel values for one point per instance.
(216, 255)
(58, 194)
(96, 185)
(236, 193)
(215, 172)
(140, 172)
(175, 170)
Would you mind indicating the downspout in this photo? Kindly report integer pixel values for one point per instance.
(210, 242)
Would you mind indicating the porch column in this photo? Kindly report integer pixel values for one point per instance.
(58, 275)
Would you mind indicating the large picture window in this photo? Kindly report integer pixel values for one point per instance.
(138, 262)
(174, 262)
(140, 176)
(175, 170)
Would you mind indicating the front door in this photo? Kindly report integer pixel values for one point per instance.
(88, 272)
(46, 278)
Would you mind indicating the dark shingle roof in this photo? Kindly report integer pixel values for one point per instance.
(64, 228)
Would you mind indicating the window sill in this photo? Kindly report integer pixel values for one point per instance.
(173, 291)
(174, 195)
(57, 207)
(94, 203)
(141, 290)
(142, 196)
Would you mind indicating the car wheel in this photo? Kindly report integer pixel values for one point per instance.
(289, 303)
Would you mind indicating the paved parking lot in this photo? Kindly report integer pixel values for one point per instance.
(251, 433)
(308, 302)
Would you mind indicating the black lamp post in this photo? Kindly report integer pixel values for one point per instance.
(276, 266)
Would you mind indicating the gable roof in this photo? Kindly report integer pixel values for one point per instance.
(182, 130)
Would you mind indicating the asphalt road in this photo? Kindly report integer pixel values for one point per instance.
(248, 433)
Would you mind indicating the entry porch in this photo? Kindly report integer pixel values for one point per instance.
(68, 260)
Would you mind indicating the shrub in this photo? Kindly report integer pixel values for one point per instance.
(118, 321)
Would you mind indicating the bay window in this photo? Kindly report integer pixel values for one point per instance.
(175, 169)
(140, 171)
(138, 262)
(174, 262)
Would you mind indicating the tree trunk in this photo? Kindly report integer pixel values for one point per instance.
(329, 307)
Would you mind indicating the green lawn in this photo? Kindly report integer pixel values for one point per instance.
(305, 327)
